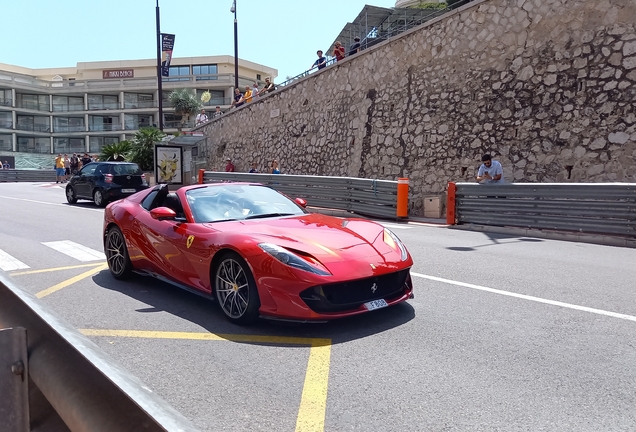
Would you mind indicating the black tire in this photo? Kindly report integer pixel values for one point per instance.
(117, 254)
(235, 289)
(71, 197)
(98, 198)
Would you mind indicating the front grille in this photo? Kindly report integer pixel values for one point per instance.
(351, 294)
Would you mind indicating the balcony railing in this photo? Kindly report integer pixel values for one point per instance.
(103, 106)
(136, 125)
(78, 128)
(33, 127)
(6, 102)
(34, 106)
(6, 125)
(176, 124)
(67, 107)
(140, 104)
(104, 127)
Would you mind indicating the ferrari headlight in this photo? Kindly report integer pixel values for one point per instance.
(291, 259)
(393, 241)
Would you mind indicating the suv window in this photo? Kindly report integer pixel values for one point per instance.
(88, 169)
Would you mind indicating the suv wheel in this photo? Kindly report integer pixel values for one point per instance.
(98, 198)
(70, 195)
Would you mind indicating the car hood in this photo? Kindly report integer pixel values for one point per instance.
(327, 238)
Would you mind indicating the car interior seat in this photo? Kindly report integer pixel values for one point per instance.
(172, 202)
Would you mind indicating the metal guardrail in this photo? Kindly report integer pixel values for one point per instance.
(51, 372)
(591, 208)
(363, 196)
(26, 175)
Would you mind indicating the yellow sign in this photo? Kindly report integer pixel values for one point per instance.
(190, 240)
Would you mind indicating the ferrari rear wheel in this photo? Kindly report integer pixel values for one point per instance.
(235, 289)
(117, 254)
(70, 195)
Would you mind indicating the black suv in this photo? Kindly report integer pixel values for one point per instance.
(103, 182)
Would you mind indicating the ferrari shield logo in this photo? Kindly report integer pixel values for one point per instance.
(189, 241)
(374, 287)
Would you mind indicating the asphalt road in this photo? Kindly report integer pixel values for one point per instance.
(504, 334)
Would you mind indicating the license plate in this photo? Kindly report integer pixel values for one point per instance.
(129, 190)
(375, 304)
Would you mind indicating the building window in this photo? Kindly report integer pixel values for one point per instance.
(34, 145)
(217, 97)
(205, 72)
(134, 122)
(6, 120)
(68, 124)
(6, 143)
(69, 145)
(33, 102)
(6, 98)
(138, 100)
(67, 103)
(102, 102)
(96, 143)
(33, 123)
(100, 123)
(178, 73)
(258, 77)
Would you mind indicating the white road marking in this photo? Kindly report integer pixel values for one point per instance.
(8, 263)
(530, 298)
(395, 226)
(50, 203)
(76, 250)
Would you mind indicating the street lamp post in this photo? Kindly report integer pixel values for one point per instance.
(159, 77)
(233, 10)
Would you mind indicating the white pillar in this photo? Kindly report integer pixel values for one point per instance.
(14, 141)
(87, 143)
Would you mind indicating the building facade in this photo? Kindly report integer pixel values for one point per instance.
(81, 109)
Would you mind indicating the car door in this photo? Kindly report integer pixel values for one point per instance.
(82, 183)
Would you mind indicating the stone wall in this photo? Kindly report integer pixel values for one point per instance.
(546, 86)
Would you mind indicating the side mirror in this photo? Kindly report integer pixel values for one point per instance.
(301, 202)
(162, 213)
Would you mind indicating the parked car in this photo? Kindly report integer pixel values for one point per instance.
(257, 252)
(103, 182)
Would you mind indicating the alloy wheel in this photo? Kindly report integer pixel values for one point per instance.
(117, 254)
(232, 288)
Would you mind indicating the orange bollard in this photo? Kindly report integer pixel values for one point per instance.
(450, 203)
(403, 198)
(201, 171)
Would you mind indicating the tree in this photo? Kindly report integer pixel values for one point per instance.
(116, 151)
(185, 102)
(142, 151)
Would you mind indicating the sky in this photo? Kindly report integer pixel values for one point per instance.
(282, 34)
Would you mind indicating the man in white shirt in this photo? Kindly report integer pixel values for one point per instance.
(490, 171)
(202, 117)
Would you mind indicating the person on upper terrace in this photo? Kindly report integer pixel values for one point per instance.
(355, 46)
(321, 63)
(269, 86)
(338, 51)
(238, 98)
(248, 94)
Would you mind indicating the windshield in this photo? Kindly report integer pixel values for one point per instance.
(238, 202)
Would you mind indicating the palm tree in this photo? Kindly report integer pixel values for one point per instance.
(185, 102)
(142, 151)
(116, 151)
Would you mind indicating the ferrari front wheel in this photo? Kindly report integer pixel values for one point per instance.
(117, 254)
(235, 289)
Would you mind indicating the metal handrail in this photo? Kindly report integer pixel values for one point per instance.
(375, 37)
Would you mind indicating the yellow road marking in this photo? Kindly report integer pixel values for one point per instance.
(313, 403)
(55, 269)
(71, 281)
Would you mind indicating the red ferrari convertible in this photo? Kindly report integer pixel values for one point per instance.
(257, 252)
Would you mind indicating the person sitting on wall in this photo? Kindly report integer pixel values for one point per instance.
(490, 171)
(269, 86)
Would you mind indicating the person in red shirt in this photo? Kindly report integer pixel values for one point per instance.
(229, 167)
(338, 51)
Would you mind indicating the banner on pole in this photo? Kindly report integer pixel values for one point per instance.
(167, 44)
